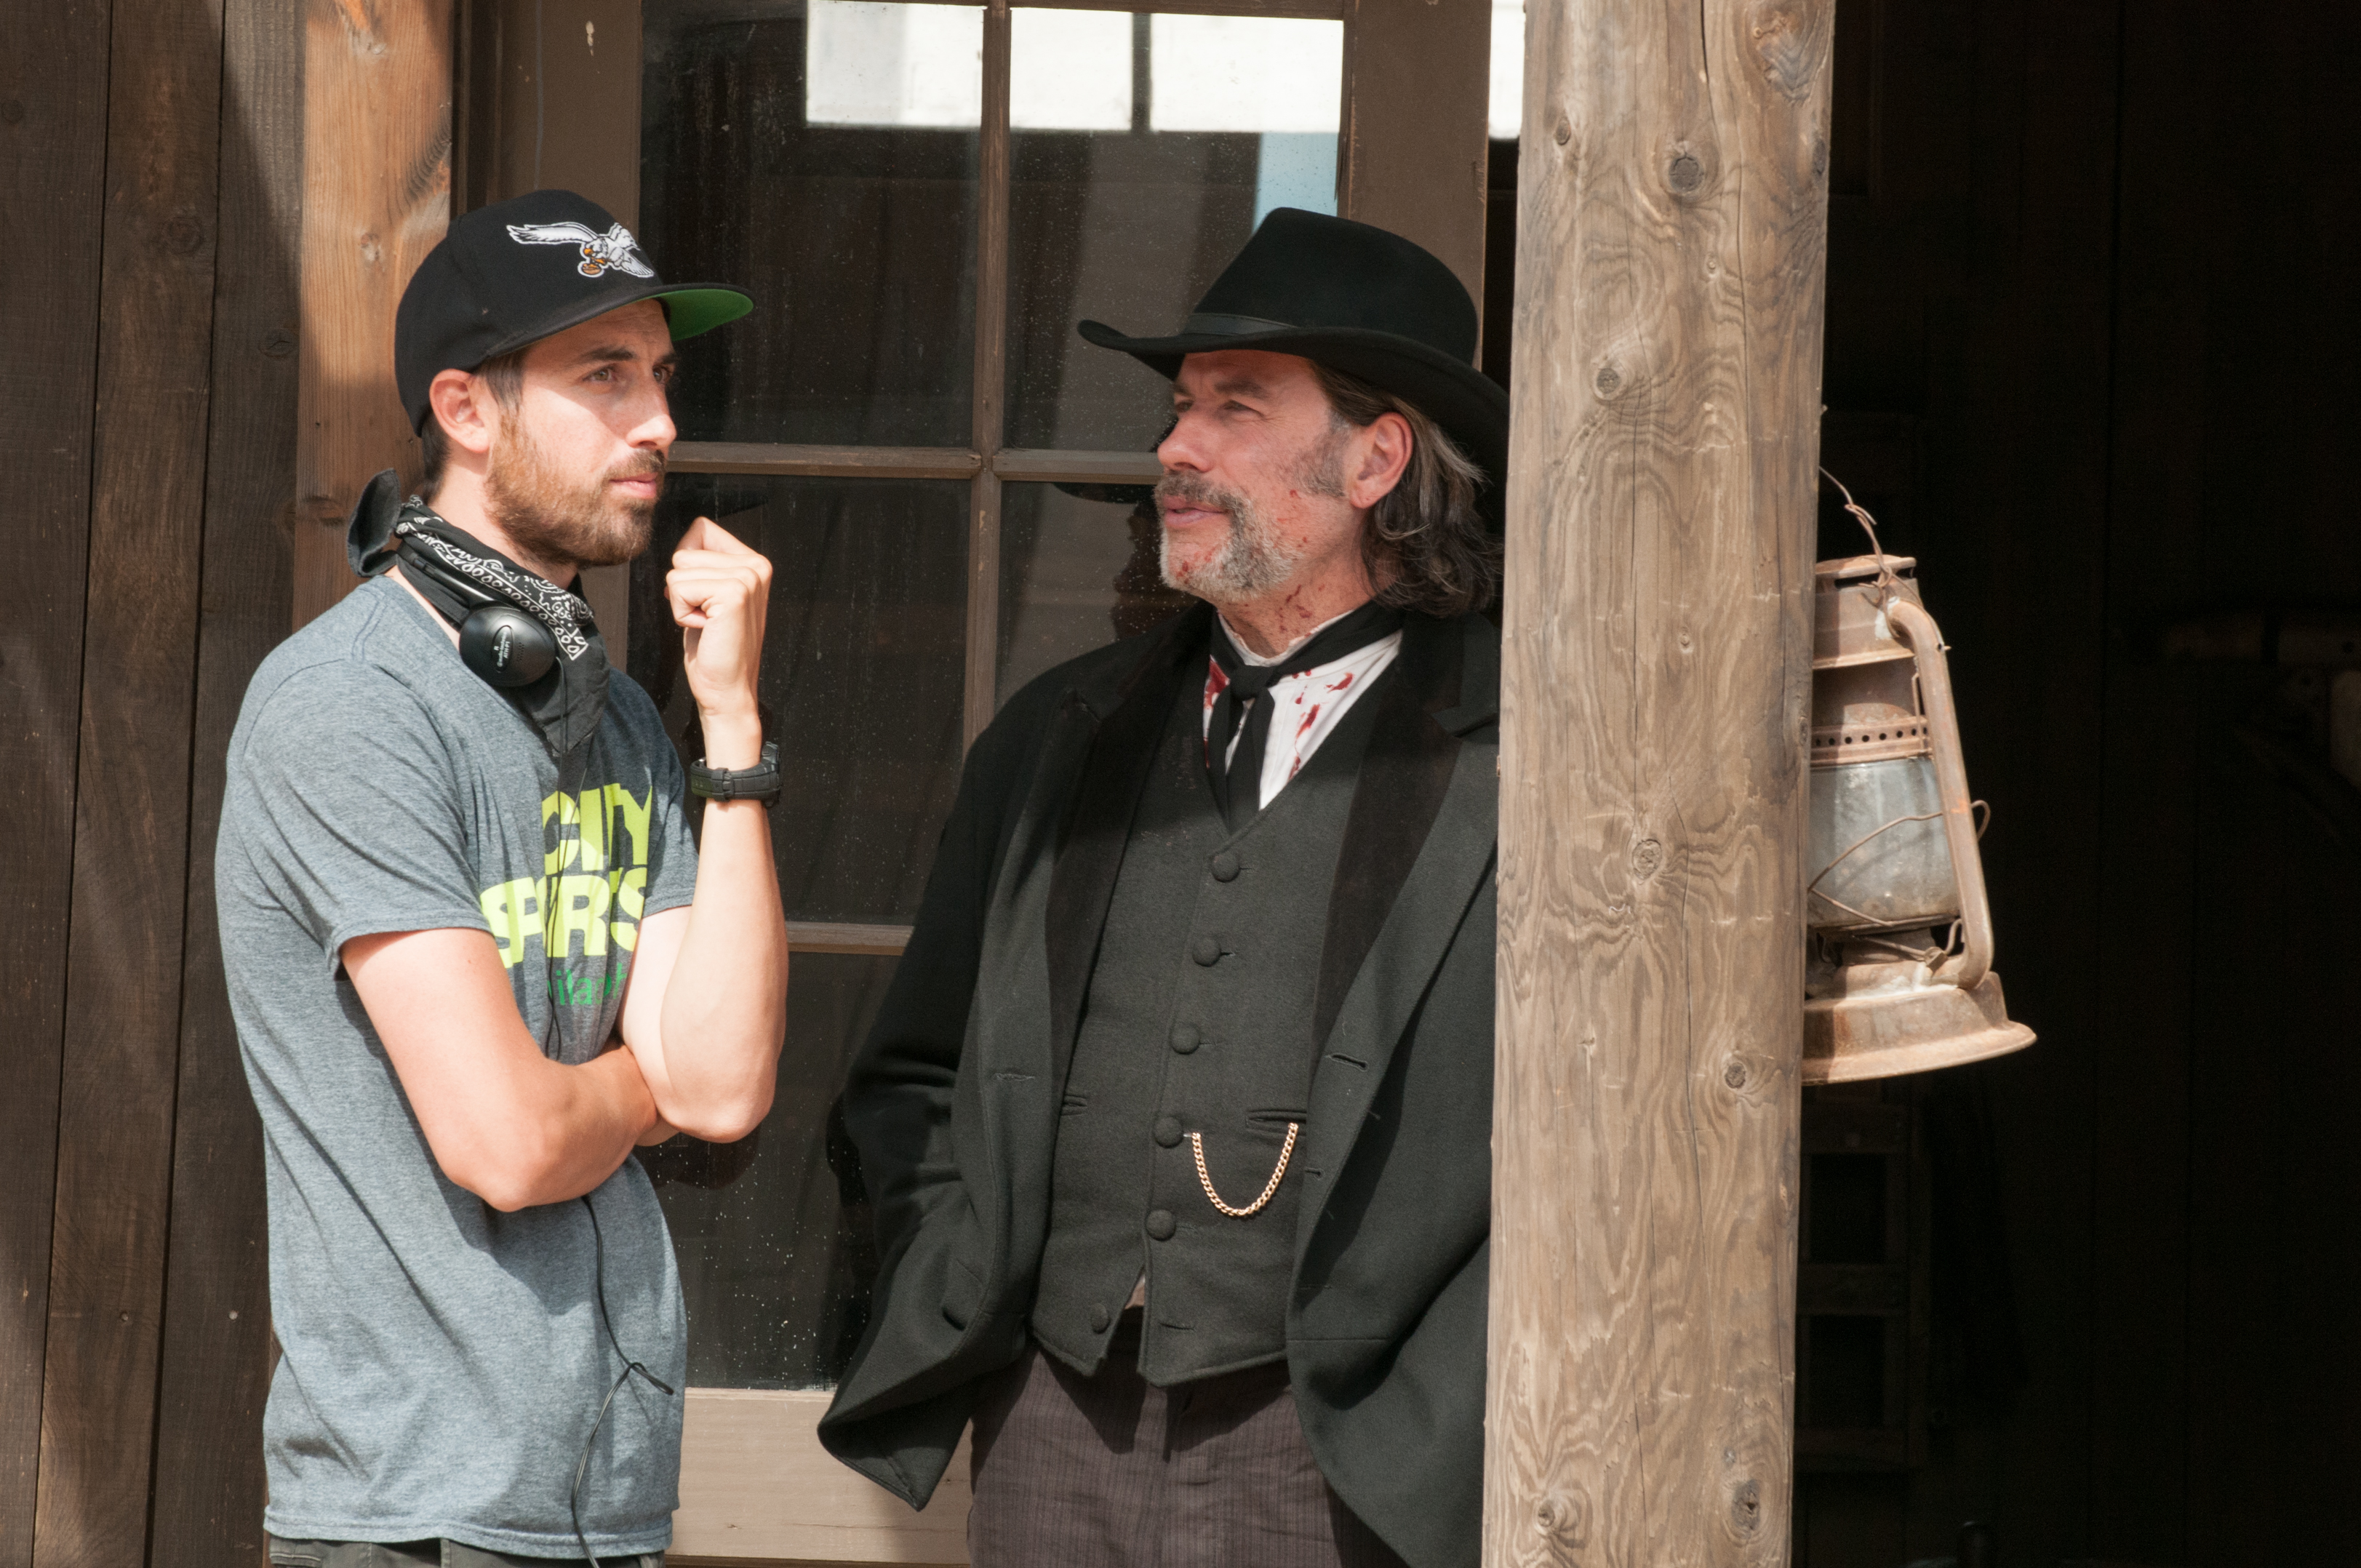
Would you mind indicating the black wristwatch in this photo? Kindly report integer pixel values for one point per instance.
(760, 781)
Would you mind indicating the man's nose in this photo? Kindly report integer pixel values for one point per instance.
(655, 425)
(1179, 448)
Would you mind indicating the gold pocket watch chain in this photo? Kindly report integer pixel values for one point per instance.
(1287, 1151)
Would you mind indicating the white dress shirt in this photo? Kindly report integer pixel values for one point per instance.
(1306, 707)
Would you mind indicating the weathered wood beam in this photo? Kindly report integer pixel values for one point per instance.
(377, 196)
(1422, 174)
(1672, 226)
(215, 1359)
(53, 64)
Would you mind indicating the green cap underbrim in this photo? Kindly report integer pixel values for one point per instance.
(690, 312)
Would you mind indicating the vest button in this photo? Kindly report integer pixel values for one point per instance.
(1168, 1131)
(1207, 950)
(1226, 867)
(1160, 1224)
(1185, 1038)
(1099, 1319)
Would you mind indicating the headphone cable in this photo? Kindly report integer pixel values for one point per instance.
(574, 1496)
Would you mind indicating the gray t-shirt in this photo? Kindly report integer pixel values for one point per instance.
(443, 1362)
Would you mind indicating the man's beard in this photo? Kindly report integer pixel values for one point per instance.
(1256, 559)
(559, 516)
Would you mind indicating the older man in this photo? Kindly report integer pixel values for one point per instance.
(1177, 1118)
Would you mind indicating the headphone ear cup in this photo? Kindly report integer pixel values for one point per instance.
(507, 647)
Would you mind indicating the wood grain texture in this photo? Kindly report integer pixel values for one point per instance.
(215, 1367)
(836, 937)
(756, 1485)
(825, 462)
(1421, 174)
(1670, 229)
(53, 163)
(564, 79)
(131, 841)
(377, 197)
(1051, 465)
(989, 410)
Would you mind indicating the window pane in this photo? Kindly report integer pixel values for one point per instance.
(1128, 218)
(777, 1266)
(861, 669)
(1075, 574)
(1507, 96)
(828, 166)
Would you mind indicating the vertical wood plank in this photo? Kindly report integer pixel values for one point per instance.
(989, 413)
(208, 1499)
(377, 196)
(1412, 155)
(1671, 228)
(131, 845)
(53, 162)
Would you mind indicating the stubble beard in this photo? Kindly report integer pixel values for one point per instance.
(559, 516)
(1256, 559)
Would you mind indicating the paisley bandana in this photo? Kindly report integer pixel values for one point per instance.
(565, 704)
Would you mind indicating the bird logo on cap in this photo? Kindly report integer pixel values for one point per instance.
(615, 248)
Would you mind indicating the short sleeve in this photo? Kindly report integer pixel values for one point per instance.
(351, 815)
(672, 873)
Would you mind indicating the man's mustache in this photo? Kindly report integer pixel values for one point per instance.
(1198, 491)
(653, 463)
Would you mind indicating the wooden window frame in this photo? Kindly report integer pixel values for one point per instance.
(756, 1486)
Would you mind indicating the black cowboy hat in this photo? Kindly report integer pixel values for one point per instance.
(1356, 299)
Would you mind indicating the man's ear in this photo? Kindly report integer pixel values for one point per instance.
(1385, 445)
(462, 403)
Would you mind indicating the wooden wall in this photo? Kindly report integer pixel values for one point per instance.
(149, 162)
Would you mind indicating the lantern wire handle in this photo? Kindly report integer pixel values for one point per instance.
(1887, 581)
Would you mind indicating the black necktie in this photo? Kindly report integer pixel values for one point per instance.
(1248, 684)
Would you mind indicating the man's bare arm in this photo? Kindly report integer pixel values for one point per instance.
(706, 1007)
(503, 1121)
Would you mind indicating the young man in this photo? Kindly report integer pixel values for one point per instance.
(1178, 1117)
(473, 955)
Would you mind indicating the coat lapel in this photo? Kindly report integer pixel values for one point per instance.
(1418, 845)
(1404, 774)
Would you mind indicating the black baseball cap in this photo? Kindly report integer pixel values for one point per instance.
(522, 270)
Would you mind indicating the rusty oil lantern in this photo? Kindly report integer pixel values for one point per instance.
(1900, 976)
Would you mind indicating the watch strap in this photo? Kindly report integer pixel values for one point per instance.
(760, 781)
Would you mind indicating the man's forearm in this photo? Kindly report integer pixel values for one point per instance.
(592, 1116)
(725, 1004)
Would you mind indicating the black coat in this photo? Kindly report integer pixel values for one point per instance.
(954, 1100)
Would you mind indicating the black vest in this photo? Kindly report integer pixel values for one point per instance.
(1198, 1019)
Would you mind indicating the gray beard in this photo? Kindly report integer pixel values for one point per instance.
(1252, 562)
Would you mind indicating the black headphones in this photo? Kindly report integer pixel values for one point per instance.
(501, 642)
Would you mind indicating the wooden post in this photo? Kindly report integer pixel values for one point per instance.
(1671, 232)
(377, 196)
(1422, 174)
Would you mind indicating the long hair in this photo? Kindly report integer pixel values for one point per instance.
(1424, 532)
